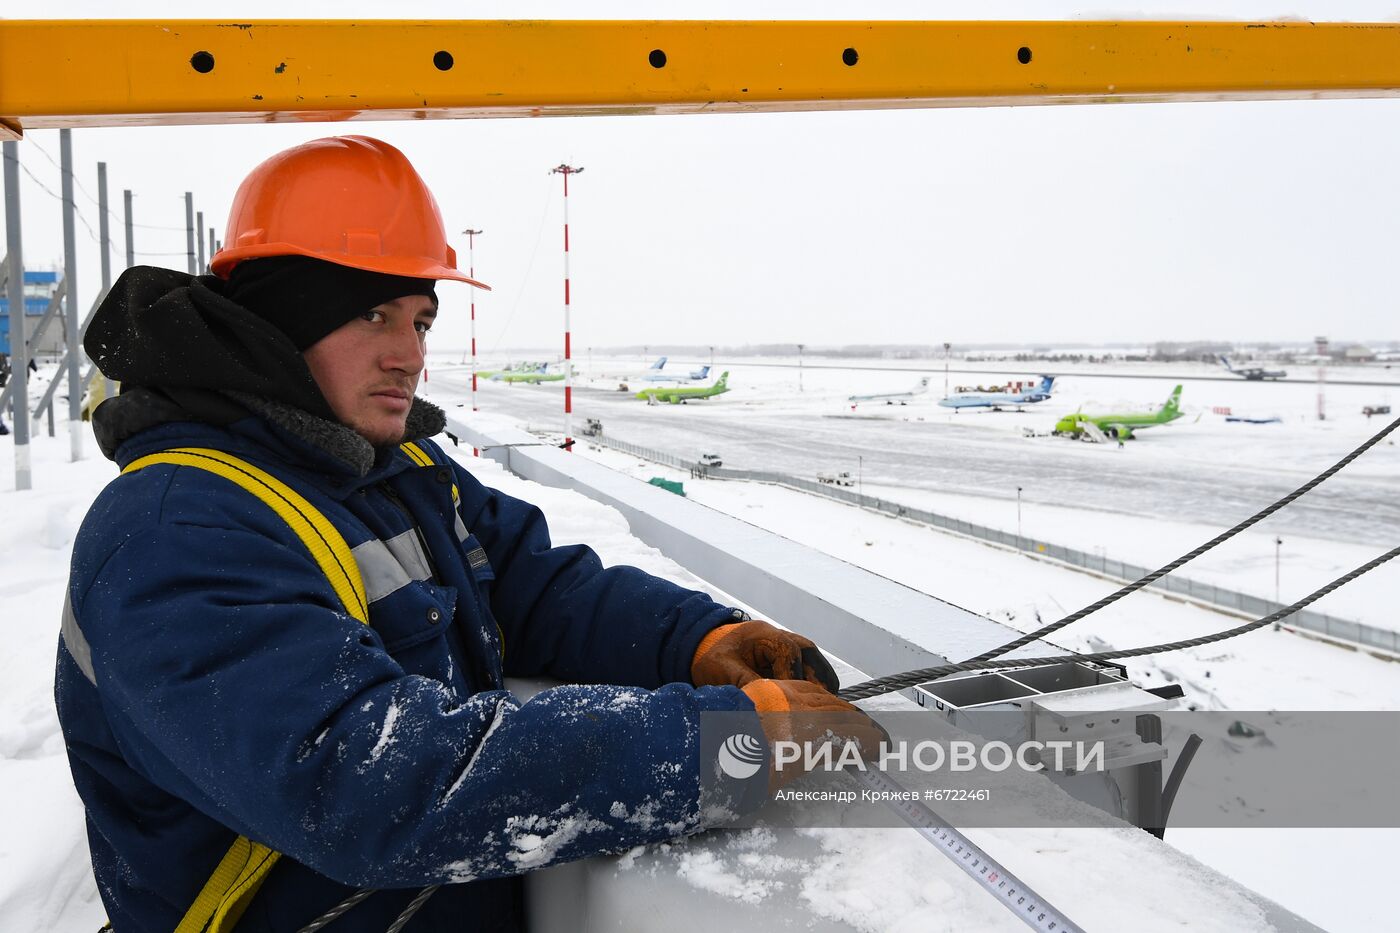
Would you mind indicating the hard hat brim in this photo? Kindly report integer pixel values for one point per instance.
(416, 267)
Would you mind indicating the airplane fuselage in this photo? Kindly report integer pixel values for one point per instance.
(683, 394)
(1122, 425)
(900, 397)
(993, 400)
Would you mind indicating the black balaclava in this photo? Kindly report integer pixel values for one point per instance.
(308, 298)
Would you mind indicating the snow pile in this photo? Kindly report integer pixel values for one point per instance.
(45, 878)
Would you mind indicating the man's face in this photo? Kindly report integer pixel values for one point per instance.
(368, 368)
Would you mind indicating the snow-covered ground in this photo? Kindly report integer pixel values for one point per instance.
(1021, 591)
(1146, 503)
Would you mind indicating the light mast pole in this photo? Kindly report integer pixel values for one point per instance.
(471, 273)
(566, 171)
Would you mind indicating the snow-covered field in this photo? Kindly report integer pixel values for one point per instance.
(1153, 499)
(1283, 669)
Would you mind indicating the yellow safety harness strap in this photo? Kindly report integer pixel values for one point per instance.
(420, 457)
(230, 889)
(417, 454)
(325, 543)
(242, 870)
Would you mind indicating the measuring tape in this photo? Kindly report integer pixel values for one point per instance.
(1009, 890)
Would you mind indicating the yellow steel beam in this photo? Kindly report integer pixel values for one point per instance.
(110, 72)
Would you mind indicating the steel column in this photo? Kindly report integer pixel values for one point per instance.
(19, 353)
(104, 236)
(189, 233)
(130, 246)
(70, 299)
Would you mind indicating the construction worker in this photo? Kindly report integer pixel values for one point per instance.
(281, 670)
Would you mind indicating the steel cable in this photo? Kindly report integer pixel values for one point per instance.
(1190, 555)
(895, 682)
(337, 910)
(412, 908)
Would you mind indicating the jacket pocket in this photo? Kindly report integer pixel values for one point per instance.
(413, 614)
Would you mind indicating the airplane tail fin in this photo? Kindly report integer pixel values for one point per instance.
(1045, 383)
(702, 373)
(723, 381)
(660, 364)
(1225, 361)
(1173, 404)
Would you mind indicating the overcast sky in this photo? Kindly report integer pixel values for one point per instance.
(1235, 221)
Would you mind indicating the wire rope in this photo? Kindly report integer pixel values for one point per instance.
(881, 685)
(1190, 555)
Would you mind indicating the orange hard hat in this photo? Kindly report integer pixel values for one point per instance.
(350, 200)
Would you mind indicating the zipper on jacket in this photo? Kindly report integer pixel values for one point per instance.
(392, 495)
(480, 668)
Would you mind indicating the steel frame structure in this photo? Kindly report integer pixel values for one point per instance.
(65, 73)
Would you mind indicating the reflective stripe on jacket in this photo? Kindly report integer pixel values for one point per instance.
(210, 684)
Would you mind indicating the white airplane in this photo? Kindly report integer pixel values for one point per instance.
(694, 375)
(997, 400)
(652, 372)
(889, 398)
(1253, 373)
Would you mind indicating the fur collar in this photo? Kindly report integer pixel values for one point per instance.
(424, 420)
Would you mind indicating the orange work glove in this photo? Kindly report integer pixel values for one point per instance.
(802, 712)
(744, 651)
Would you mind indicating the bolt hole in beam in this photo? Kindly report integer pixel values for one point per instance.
(202, 62)
(442, 61)
(657, 58)
(1023, 55)
(850, 56)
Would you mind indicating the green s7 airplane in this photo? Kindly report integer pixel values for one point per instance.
(534, 376)
(512, 368)
(1120, 426)
(678, 394)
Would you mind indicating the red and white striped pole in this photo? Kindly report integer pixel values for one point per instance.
(566, 171)
(471, 273)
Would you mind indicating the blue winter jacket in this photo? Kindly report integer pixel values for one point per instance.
(210, 684)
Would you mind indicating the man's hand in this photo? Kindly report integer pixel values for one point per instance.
(747, 651)
(796, 711)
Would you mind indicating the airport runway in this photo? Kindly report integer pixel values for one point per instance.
(1216, 487)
